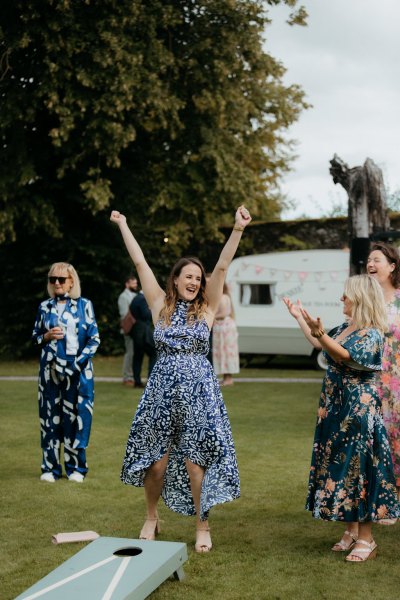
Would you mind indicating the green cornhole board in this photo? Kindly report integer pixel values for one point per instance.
(112, 569)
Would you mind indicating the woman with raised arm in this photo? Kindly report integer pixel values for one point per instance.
(180, 445)
(351, 475)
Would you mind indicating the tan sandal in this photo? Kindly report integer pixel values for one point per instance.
(362, 554)
(150, 529)
(343, 546)
(387, 522)
(203, 540)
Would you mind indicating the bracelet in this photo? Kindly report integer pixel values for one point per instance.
(238, 228)
(319, 333)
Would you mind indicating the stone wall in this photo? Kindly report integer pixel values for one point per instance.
(279, 236)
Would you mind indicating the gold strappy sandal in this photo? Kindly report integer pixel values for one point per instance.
(343, 546)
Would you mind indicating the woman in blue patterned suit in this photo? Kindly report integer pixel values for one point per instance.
(180, 445)
(66, 331)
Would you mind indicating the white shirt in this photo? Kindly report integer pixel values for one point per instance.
(69, 330)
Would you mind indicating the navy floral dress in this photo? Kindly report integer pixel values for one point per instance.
(182, 411)
(351, 475)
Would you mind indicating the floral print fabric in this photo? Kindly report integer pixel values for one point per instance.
(182, 411)
(389, 383)
(225, 349)
(351, 475)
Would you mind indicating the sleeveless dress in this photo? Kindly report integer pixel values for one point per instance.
(389, 383)
(351, 475)
(225, 351)
(182, 411)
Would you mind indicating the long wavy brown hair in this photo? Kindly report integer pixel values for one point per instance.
(391, 253)
(199, 305)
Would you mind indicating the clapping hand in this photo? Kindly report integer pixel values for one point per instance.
(294, 309)
(315, 325)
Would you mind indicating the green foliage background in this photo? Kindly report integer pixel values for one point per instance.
(171, 111)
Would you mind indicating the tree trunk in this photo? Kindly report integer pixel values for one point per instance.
(367, 206)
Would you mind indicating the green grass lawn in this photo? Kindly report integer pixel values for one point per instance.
(265, 545)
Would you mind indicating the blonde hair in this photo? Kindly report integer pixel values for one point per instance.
(369, 308)
(75, 290)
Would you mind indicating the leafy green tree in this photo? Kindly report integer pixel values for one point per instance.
(170, 110)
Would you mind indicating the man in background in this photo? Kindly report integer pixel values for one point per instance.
(124, 301)
(142, 334)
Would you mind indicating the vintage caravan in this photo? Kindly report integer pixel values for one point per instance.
(258, 283)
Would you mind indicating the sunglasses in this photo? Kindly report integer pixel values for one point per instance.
(61, 280)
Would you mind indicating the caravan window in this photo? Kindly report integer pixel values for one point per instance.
(256, 293)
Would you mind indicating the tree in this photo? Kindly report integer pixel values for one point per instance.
(170, 110)
(175, 101)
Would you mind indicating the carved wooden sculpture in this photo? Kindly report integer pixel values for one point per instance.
(367, 205)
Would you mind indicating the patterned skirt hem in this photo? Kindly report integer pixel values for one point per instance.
(351, 518)
(136, 479)
(205, 512)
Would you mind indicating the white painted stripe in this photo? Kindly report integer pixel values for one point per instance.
(116, 579)
(67, 579)
(236, 379)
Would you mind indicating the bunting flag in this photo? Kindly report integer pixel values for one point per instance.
(303, 275)
(276, 275)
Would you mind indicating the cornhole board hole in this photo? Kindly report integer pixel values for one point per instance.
(112, 569)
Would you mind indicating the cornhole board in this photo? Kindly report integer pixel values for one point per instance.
(112, 569)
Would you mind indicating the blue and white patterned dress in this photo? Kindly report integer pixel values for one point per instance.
(182, 410)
